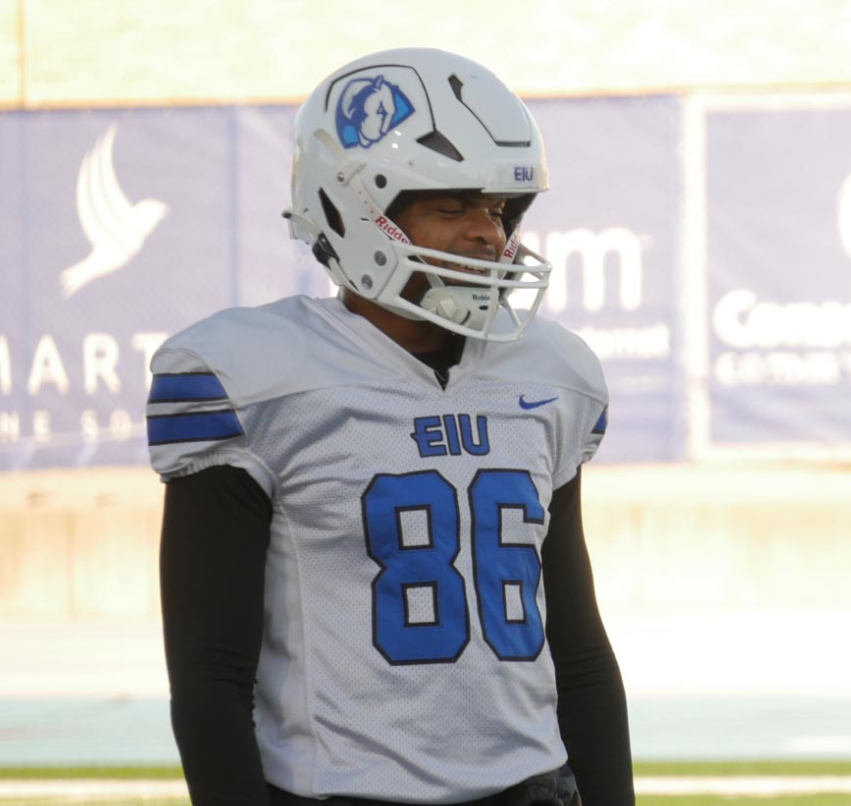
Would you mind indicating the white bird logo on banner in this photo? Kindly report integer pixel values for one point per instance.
(115, 228)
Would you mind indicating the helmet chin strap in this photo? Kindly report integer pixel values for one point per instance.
(461, 304)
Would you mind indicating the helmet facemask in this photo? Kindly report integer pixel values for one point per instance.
(465, 294)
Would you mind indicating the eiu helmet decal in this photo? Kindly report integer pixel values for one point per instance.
(368, 109)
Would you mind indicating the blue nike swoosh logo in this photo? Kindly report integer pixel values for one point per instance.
(533, 404)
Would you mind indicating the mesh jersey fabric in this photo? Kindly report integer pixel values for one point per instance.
(403, 597)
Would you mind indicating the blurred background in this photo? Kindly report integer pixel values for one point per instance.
(699, 222)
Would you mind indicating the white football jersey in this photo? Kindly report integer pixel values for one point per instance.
(404, 655)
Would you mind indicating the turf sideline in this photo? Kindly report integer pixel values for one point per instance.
(757, 786)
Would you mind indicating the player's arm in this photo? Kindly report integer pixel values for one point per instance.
(215, 533)
(592, 711)
(214, 539)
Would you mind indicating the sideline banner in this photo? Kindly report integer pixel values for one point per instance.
(778, 202)
(610, 225)
(120, 227)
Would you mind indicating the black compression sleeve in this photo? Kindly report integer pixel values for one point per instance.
(212, 559)
(592, 712)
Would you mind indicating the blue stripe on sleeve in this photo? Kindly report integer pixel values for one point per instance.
(186, 386)
(602, 423)
(203, 426)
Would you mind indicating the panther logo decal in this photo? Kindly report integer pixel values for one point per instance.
(368, 109)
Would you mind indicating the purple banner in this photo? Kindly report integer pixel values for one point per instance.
(779, 278)
(121, 227)
(610, 225)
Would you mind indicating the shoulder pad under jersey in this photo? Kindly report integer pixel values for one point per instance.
(205, 376)
(550, 354)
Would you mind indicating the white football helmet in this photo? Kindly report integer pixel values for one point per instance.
(407, 120)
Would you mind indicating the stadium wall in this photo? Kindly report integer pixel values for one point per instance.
(700, 538)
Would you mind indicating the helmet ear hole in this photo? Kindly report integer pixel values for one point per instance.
(332, 214)
(515, 209)
(399, 204)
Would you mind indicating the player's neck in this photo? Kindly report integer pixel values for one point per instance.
(415, 336)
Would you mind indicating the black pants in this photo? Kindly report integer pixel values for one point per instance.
(554, 789)
(279, 797)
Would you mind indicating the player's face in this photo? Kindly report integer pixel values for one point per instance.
(465, 224)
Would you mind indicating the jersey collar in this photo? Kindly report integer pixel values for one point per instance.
(374, 341)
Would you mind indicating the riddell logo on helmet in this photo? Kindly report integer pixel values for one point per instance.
(511, 248)
(386, 225)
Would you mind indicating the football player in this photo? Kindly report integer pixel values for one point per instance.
(375, 583)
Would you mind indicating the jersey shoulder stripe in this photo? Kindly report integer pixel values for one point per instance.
(192, 421)
(179, 386)
(192, 426)
(602, 422)
(205, 426)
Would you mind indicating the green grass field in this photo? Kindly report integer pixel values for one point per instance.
(727, 800)
(724, 770)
